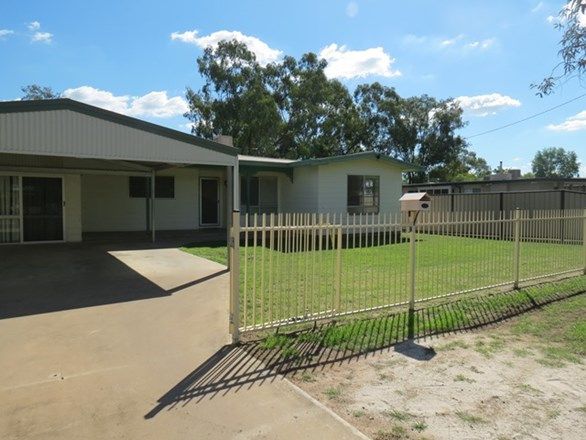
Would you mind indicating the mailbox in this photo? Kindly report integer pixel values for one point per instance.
(419, 201)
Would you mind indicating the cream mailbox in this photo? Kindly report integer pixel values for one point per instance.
(413, 202)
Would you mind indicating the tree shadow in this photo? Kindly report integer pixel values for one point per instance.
(236, 367)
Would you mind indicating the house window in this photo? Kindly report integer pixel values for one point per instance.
(139, 187)
(258, 195)
(363, 194)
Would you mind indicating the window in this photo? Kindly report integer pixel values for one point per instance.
(363, 194)
(260, 196)
(250, 191)
(140, 187)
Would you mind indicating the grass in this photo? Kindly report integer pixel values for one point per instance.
(564, 337)
(463, 378)
(469, 418)
(333, 393)
(561, 330)
(400, 416)
(278, 285)
(214, 251)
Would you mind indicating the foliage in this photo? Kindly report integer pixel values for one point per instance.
(34, 92)
(555, 162)
(572, 23)
(291, 109)
(287, 109)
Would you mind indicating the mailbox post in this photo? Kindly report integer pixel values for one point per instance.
(413, 204)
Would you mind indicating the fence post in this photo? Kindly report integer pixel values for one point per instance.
(517, 247)
(338, 280)
(234, 324)
(584, 237)
(412, 266)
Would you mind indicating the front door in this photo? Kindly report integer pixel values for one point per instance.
(42, 208)
(209, 190)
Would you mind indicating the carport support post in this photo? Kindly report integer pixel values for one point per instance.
(234, 324)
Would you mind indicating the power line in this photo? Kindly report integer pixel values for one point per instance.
(527, 118)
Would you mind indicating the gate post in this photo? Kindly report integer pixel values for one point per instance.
(517, 248)
(234, 323)
(338, 280)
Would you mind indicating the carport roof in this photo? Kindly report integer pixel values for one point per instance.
(107, 115)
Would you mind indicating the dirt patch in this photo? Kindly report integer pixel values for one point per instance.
(490, 384)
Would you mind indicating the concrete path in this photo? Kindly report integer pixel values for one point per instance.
(102, 344)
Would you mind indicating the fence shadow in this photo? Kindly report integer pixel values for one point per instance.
(234, 368)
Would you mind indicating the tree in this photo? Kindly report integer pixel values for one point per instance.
(287, 109)
(555, 162)
(34, 92)
(292, 109)
(234, 100)
(420, 130)
(572, 23)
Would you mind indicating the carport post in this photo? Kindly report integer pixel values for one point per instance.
(234, 320)
(152, 194)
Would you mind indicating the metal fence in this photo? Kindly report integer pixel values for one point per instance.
(291, 268)
(508, 201)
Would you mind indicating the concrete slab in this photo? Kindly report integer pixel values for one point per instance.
(101, 343)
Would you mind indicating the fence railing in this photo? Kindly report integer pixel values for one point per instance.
(291, 268)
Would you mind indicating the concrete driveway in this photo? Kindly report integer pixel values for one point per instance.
(98, 342)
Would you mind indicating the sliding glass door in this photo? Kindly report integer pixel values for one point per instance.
(42, 208)
(31, 209)
(9, 209)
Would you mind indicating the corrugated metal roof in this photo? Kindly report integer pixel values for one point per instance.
(70, 128)
(288, 163)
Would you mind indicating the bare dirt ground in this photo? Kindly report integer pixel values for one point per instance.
(495, 383)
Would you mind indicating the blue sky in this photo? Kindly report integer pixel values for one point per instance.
(138, 57)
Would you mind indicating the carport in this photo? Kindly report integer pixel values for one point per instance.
(68, 168)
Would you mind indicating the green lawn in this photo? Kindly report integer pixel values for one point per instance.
(286, 285)
(559, 324)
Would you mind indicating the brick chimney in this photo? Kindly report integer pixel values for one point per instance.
(224, 139)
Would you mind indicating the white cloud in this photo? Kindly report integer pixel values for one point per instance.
(344, 63)
(484, 105)
(573, 123)
(538, 7)
(34, 26)
(264, 53)
(153, 104)
(564, 14)
(5, 33)
(352, 9)
(42, 37)
(37, 35)
(459, 43)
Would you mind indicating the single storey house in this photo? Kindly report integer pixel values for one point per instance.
(68, 169)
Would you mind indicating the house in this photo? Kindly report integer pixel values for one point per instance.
(69, 170)
(359, 183)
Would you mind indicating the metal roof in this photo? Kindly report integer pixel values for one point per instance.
(107, 115)
(477, 182)
(289, 163)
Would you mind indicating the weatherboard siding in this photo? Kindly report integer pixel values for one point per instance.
(333, 184)
(107, 205)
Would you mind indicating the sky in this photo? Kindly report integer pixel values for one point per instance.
(137, 58)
